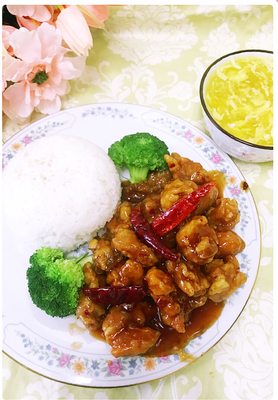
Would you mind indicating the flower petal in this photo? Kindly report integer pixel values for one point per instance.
(27, 23)
(50, 39)
(6, 32)
(39, 13)
(14, 101)
(26, 45)
(49, 106)
(14, 69)
(74, 29)
(95, 15)
(72, 67)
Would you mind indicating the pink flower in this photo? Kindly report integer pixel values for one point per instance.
(188, 134)
(27, 139)
(64, 360)
(164, 359)
(114, 367)
(216, 158)
(73, 21)
(40, 71)
(235, 191)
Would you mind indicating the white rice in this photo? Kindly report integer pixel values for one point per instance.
(59, 191)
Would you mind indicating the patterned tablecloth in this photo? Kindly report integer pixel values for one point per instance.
(155, 56)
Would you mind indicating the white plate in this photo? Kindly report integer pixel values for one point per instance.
(62, 349)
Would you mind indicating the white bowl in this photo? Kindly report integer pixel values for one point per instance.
(229, 143)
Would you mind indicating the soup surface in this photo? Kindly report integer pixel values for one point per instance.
(239, 96)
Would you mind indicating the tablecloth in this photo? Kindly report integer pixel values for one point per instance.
(155, 56)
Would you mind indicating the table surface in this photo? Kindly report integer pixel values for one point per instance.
(155, 56)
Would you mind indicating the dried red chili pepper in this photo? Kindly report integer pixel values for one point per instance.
(145, 232)
(171, 218)
(114, 295)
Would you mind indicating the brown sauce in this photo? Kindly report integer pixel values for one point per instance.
(171, 342)
(244, 185)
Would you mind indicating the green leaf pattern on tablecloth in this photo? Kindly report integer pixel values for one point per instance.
(155, 56)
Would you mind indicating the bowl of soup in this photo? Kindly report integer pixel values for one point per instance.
(236, 93)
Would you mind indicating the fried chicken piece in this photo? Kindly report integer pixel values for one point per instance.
(206, 202)
(130, 273)
(121, 218)
(90, 313)
(219, 179)
(197, 241)
(134, 341)
(130, 246)
(174, 190)
(161, 285)
(171, 311)
(105, 256)
(90, 276)
(225, 215)
(184, 169)
(229, 243)
(225, 277)
(150, 207)
(159, 282)
(124, 330)
(188, 278)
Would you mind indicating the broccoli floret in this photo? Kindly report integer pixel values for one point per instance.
(140, 153)
(54, 282)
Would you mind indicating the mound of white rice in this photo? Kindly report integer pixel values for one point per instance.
(59, 191)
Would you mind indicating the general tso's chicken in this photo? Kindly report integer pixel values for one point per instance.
(225, 215)
(219, 179)
(171, 311)
(229, 243)
(225, 277)
(161, 285)
(150, 207)
(132, 262)
(124, 330)
(206, 202)
(130, 246)
(133, 341)
(197, 241)
(177, 188)
(105, 256)
(184, 169)
(121, 219)
(159, 282)
(130, 273)
(188, 278)
(90, 313)
(174, 190)
(90, 276)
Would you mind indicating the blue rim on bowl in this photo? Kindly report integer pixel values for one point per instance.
(201, 93)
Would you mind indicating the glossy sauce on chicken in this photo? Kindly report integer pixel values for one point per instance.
(150, 294)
